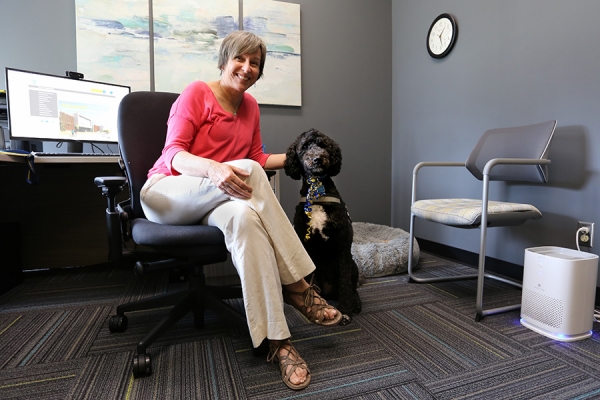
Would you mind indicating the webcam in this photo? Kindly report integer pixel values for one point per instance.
(74, 75)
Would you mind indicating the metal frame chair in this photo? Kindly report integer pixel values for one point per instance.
(504, 154)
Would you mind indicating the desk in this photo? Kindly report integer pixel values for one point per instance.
(62, 159)
(62, 218)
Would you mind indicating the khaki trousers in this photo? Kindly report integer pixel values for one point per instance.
(264, 247)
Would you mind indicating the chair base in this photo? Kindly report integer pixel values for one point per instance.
(493, 311)
(414, 279)
(194, 300)
(480, 312)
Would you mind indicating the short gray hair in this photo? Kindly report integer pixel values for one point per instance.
(242, 42)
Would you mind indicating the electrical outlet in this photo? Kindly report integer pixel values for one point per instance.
(585, 238)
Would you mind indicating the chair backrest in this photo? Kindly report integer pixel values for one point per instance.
(142, 125)
(531, 141)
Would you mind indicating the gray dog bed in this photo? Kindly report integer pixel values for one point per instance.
(381, 250)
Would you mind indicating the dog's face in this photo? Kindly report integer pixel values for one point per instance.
(313, 154)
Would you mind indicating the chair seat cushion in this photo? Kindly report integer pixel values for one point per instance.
(181, 240)
(467, 212)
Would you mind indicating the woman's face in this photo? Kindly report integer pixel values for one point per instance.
(242, 71)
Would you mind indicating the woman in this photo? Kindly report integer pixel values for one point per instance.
(211, 171)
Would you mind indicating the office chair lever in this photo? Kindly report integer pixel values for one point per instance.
(143, 267)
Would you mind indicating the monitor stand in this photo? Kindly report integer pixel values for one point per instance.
(74, 147)
(27, 145)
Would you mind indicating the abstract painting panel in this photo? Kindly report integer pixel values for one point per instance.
(278, 24)
(113, 42)
(187, 35)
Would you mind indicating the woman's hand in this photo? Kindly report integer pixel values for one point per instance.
(230, 180)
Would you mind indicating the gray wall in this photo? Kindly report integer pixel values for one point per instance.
(38, 35)
(346, 93)
(516, 62)
(346, 74)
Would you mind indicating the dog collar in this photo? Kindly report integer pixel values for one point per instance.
(324, 199)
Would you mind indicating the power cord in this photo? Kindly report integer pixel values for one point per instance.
(583, 230)
(95, 146)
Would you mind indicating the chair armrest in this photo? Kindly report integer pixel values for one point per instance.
(514, 161)
(429, 164)
(436, 164)
(111, 186)
(110, 181)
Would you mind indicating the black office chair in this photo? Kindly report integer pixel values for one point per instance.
(142, 131)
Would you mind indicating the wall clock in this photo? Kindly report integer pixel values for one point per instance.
(442, 36)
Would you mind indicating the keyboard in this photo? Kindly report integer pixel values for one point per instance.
(52, 154)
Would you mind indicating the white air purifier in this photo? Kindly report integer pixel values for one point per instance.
(559, 290)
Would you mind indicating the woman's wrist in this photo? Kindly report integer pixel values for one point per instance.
(275, 161)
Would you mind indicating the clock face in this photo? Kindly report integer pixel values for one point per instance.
(441, 36)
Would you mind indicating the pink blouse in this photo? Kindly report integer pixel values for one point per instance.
(199, 125)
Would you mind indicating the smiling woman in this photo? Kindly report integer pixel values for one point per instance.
(237, 75)
(211, 171)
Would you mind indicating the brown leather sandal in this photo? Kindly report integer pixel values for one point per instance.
(317, 310)
(285, 361)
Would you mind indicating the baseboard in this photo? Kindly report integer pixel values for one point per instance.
(500, 267)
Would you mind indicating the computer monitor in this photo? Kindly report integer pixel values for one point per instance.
(44, 107)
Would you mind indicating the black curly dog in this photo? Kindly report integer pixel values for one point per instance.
(322, 220)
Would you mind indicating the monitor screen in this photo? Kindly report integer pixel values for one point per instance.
(58, 108)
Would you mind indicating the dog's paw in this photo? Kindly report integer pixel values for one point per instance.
(346, 319)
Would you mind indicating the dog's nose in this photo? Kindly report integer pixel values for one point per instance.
(317, 160)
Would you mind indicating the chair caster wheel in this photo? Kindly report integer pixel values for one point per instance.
(117, 323)
(138, 269)
(142, 365)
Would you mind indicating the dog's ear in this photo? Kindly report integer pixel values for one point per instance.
(292, 166)
(335, 157)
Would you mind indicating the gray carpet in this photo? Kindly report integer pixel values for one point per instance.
(412, 341)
